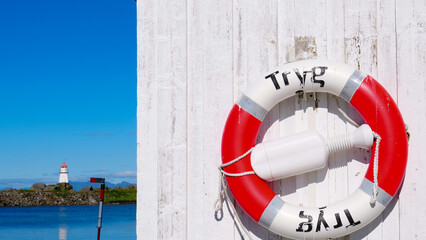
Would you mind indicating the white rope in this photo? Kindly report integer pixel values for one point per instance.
(376, 154)
(376, 169)
(221, 166)
(219, 204)
(222, 191)
(344, 114)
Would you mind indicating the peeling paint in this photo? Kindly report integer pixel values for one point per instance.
(305, 47)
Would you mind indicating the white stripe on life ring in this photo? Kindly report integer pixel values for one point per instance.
(334, 220)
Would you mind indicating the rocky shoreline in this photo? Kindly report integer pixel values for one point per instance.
(55, 195)
(19, 198)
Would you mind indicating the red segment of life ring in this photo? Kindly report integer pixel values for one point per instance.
(255, 197)
(378, 110)
(253, 193)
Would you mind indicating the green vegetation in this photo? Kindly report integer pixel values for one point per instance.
(55, 196)
(25, 192)
(114, 195)
(60, 193)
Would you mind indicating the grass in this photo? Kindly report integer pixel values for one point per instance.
(60, 193)
(113, 195)
(25, 191)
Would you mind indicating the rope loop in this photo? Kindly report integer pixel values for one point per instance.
(218, 205)
(223, 194)
(222, 197)
(376, 169)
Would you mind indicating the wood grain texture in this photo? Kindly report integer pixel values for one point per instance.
(411, 78)
(147, 108)
(195, 58)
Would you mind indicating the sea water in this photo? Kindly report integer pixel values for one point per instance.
(67, 222)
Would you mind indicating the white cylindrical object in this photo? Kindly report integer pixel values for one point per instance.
(303, 152)
(362, 137)
(289, 156)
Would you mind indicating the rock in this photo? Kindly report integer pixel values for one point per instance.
(117, 188)
(48, 198)
(86, 189)
(128, 187)
(38, 186)
(64, 186)
(92, 201)
(50, 187)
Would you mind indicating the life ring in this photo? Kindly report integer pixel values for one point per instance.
(376, 107)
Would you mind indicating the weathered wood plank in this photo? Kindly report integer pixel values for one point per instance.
(337, 173)
(255, 53)
(411, 76)
(147, 145)
(195, 106)
(287, 108)
(387, 76)
(309, 43)
(241, 71)
(217, 102)
(361, 51)
(171, 120)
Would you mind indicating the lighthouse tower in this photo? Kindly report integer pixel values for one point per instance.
(63, 174)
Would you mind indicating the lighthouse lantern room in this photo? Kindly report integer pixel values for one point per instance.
(63, 174)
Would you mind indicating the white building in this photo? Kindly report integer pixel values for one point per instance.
(63, 174)
(196, 58)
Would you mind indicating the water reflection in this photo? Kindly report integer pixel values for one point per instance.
(63, 230)
(62, 212)
(63, 233)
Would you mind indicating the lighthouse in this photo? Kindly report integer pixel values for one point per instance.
(63, 174)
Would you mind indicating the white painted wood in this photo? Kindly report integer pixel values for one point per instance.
(171, 128)
(387, 75)
(361, 50)
(147, 108)
(260, 34)
(411, 60)
(195, 138)
(196, 57)
(337, 172)
(217, 92)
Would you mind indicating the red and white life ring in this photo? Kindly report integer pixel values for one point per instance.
(376, 107)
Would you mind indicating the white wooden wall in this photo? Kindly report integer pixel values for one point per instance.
(195, 57)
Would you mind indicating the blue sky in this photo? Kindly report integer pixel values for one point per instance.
(67, 90)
